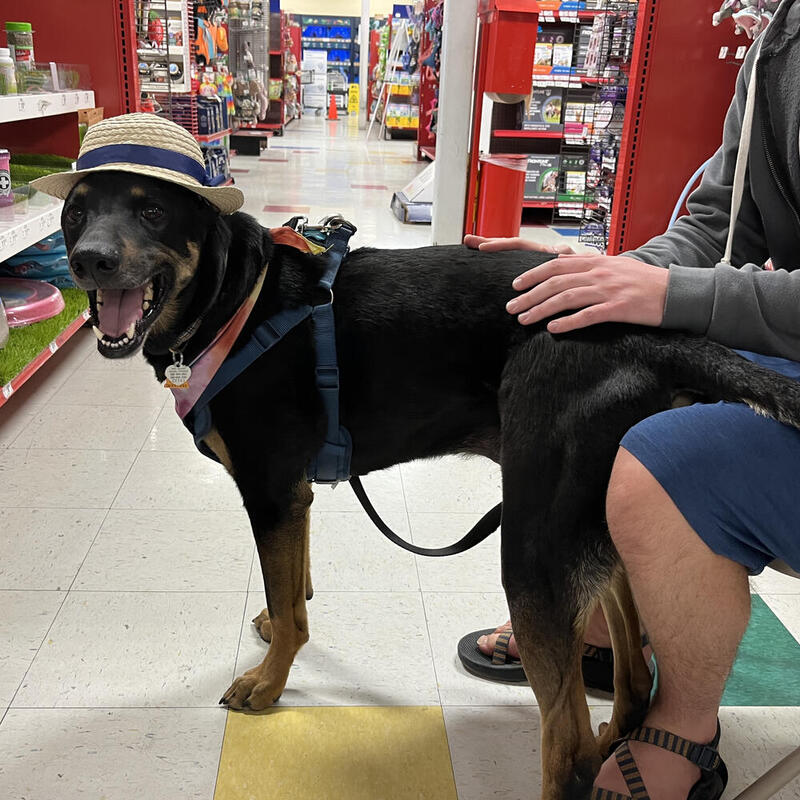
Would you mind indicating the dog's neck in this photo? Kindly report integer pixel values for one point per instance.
(224, 281)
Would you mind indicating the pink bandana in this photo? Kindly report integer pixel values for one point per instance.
(205, 366)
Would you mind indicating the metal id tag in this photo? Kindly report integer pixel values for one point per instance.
(177, 373)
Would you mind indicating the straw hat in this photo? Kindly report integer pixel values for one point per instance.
(145, 145)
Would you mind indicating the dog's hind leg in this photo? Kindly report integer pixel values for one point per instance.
(549, 618)
(556, 559)
(282, 550)
(559, 439)
(632, 679)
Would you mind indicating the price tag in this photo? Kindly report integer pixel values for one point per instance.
(53, 346)
(741, 51)
(723, 52)
(8, 390)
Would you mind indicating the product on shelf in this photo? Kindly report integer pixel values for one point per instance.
(6, 196)
(541, 177)
(20, 43)
(8, 75)
(28, 301)
(544, 111)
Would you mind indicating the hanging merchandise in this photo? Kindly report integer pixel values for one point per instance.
(430, 64)
(249, 65)
(748, 17)
(183, 72)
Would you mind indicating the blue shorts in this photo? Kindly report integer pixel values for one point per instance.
(734, 475)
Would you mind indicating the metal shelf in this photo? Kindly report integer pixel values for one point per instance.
(15, 107)
(165, 88)
(325, 39)
(205, 138)
(160, 52)
(515, 134)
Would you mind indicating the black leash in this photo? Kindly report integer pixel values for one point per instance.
(488, 524)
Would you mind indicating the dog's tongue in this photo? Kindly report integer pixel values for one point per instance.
(118, 309)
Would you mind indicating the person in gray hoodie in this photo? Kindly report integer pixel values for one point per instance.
(700, 496)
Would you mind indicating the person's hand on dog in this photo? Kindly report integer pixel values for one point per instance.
(497, 244)
(598, 288)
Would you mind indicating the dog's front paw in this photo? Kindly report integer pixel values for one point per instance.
(263, 625)
(252, 692)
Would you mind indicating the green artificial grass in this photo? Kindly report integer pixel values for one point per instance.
(24, 344)
(27, 166)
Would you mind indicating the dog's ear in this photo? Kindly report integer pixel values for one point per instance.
(214, 256)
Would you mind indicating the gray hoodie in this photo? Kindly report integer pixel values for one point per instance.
(749, 308)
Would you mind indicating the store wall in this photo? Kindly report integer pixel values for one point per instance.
(344, 8)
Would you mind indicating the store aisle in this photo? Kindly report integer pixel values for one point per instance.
(128, 582)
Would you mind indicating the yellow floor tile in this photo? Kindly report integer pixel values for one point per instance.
(336, 753)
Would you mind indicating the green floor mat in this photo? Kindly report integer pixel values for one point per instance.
(766, 670)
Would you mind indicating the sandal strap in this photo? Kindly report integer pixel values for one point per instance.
(500, 652)
(630, 771)
(704, 756)
(604, 654)
(607, 794)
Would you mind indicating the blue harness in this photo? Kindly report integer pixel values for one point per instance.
(332, 463)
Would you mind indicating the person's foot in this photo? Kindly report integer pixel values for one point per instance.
(666, 775)
(596, 634)
(487, 643)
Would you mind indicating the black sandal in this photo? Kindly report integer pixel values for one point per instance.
(597, 663)
(713, 772)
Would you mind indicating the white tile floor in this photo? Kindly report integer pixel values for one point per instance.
(127, 577)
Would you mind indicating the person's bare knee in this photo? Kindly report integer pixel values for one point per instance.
(633, 499)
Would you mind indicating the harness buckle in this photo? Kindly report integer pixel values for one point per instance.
(334, 222)
(704, 756)
(297, 223)
(328, 377)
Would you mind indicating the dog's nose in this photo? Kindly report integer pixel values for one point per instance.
(98, 263)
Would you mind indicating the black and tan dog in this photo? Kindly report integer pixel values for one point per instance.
(431, 364)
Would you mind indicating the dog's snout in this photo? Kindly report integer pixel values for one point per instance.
(96, 263)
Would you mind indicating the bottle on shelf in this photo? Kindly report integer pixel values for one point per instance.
(8, 75)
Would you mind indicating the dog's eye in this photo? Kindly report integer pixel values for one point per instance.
(152, 213)
(74, 214)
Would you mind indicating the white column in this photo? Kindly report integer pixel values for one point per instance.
(455, 120)
(363, 72)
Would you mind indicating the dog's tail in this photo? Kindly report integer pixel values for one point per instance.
(716, 373)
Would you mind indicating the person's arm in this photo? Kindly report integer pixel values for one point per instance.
(698, 239)
(748, 308)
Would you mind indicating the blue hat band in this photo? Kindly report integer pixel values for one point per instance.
(145, 156)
